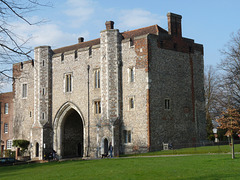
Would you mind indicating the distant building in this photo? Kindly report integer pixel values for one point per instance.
(137, 89)
(6, 120)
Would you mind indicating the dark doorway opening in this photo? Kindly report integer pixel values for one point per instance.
(72, 135)
(105, 146)
(37, 150)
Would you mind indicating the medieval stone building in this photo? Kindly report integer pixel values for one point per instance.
(135, 89)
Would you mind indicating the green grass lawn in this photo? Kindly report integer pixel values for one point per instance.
(195, 150)
(219, 166)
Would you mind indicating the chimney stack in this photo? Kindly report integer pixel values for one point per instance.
(80, 39)
(109, 25)
(174, 24)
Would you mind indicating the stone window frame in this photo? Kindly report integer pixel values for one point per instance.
(97, 78)
(131, 103)
(6, 128)
(167, 104)
(24, 90)
(131, 74)
(6, 108)
(9, 144)
(97, 107)
(68, 85)
(127, 136)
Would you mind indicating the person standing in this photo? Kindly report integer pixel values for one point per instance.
(110, 149)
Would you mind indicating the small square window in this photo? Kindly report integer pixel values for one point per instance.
(97, 107)
(167, 104)
(127, 136)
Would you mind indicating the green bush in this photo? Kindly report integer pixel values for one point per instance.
(23, 144)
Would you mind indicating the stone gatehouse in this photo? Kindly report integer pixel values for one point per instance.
(136, 89)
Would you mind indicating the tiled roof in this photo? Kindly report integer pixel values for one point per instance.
(77, 46)
(155, 29)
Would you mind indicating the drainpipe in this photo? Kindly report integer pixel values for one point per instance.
(88, 148)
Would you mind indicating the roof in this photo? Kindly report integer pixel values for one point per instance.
(154, 29)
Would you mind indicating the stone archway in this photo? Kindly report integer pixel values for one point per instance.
(69, 132)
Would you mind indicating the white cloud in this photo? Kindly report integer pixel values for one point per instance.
(47, 34)
(80, 11)
(135, 18)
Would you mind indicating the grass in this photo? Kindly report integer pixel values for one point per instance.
(196, 150)
(219, 166)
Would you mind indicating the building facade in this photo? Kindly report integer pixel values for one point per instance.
(6, 121)
(136, 89)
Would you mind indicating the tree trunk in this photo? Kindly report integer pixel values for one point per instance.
(233, 155)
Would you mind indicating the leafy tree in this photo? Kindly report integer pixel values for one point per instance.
(230, 120)
(23, 144)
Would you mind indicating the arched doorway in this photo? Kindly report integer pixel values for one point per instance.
(37, 150)
(69, 132)
(72, 135)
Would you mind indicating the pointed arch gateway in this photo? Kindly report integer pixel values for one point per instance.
(68, 129)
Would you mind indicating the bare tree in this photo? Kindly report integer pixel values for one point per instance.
(231, 65)
(12, 46)
(212, 96)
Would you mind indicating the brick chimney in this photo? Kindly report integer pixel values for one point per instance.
(174, 24)
(109, 25)
(80, 39)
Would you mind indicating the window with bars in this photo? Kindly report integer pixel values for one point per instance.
(6, 108)
(127, 136)
(9, 144)
(68, 83)
(24, 90)
(97, 107)
(5, 127)
(167, 103)
(97, 78)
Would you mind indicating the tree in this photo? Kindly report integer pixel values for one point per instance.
(212, 96)
(23, 144)
(231, 65)
(230, 120)
(12, 46)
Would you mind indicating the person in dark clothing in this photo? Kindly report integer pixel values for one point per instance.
(110, 149)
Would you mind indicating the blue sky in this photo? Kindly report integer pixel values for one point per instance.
(208, 22)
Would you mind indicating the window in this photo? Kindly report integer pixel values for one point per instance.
(9, 144)
(131, 74)
(43, 91)
(127, 136)
(62, 57)
(76, 54)
(167, 103)
(131, 103)
(68, 83)
(24, 90)
(43, 115)
(6, 108)
(90, 51)
(97, 78)
(43, 62)
(5, 127)
(97, 105)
